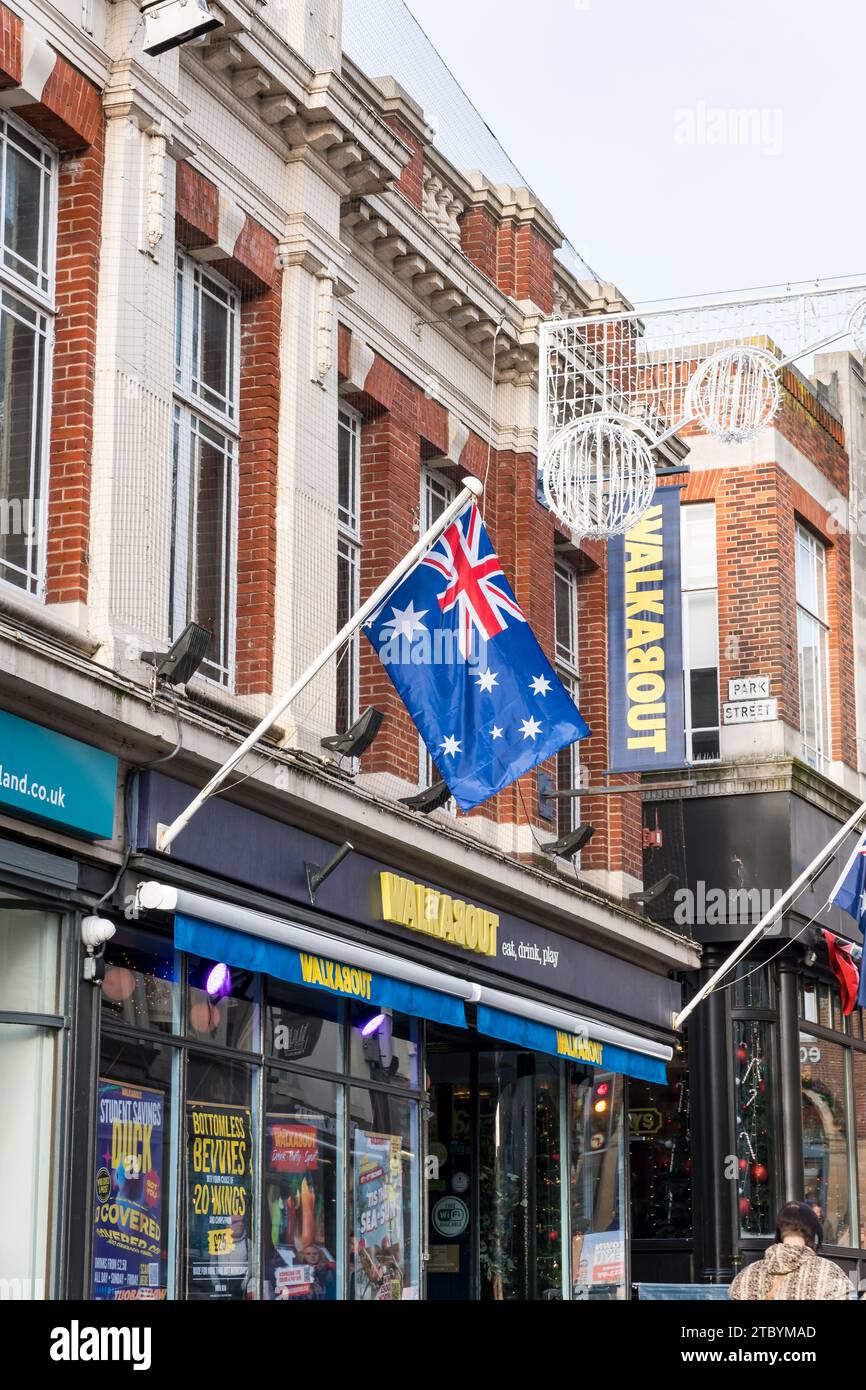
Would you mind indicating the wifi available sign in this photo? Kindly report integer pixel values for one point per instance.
(48, 777)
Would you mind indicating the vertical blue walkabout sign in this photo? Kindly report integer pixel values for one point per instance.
(645, 645)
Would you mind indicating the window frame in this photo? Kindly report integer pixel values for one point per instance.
(431, 479)
(567, 661)
(687, 591)
(40, 300)
(193, 415)
(817, 755)
(349, 551)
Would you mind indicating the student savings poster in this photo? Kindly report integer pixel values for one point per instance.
(128, 1240)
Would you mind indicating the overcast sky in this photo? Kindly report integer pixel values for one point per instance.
(682, 145)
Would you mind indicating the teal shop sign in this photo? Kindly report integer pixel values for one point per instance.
(55, 779)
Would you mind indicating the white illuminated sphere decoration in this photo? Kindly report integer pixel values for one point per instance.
(599, 475)
(857, 326)
(735, 393)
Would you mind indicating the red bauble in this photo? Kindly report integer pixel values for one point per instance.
(744, 1163)
(762, 1087)
(760, 1172)
(742, 1054)
(687, 1166)
(745, 1207)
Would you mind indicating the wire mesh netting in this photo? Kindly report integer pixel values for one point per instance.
(714, 362)
(385, 39)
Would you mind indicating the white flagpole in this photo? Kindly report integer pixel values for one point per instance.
(472, 488)
(775, 911)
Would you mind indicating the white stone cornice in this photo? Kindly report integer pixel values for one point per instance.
(304, 243)
(132, 92)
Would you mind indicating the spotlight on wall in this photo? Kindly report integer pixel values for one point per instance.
(356, 740)
(169, 23)
(569, 845)
(95, 932)
(317, 873)
(219, 981)
(372, 1025)
(649, 895)
(429, 800)
(183, 658)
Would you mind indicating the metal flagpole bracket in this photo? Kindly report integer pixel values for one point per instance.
(161, 832)
(470, 491)
(317, 873)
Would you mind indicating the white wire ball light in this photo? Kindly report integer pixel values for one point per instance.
(735, 393)
(857, 326)
(599, 476)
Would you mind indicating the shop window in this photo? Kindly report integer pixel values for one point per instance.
(597, 1185)
(382, 1197)
(548, 1181)
(31, 1000)
(140, 989)
(301, 1212)
(753, 1119)
(206, 410)
(28, 196)
(506, 1176)
(812, 644)
(220, 1257)
(133, 1179)
(700, 631)
(303, 1029)
(858, 1059)
(383, 1046)
(660, 1157)
(222, 1004)
(825, 1136)
(751, 987)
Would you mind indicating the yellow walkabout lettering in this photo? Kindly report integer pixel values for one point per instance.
(424, 909)
(342, 979)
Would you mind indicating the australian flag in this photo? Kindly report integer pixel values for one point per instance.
(468, 667)
(850, 894)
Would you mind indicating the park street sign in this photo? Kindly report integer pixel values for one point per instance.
(750, 711)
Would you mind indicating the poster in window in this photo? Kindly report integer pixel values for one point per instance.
(378, 1234)
(300, 1263)
(129, 1258)
(219, 1156)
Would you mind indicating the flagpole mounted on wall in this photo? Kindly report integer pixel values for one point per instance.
(817, 865)
(471, 490)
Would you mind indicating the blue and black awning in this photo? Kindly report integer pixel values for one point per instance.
(222, 931)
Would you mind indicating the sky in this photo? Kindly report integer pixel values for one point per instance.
(684, 146)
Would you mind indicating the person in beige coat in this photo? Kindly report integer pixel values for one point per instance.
(792, 1267)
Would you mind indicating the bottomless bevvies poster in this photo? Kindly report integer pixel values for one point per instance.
(645, 648)
(128, 1250)
(378, 1216)
(219, 1153)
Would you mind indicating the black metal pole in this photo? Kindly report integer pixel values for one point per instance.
(790, 1096)
(711, 1084)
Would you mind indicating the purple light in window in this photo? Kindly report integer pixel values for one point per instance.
(219, 981)
(372, 1025)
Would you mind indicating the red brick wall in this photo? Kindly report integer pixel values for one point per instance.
(756, 514)
(10, 48)
(79, 226)
(197, 208)
(257, 491)
(478, 240)
(411, 180)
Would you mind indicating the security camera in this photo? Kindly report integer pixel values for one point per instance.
(95, 931)
(169, 23)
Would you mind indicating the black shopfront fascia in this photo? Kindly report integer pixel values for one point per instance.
(750, 841)
(237, 854)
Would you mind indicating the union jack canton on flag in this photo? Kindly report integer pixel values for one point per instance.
(468, 667)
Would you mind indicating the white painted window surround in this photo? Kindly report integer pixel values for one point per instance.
(205, 492)
(28, 216)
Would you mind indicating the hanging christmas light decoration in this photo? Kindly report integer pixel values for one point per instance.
(599, 475)
(735, 393)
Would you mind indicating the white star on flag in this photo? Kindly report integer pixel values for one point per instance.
(451, 745)
(406, 621)
(530, 728)
(487, 679)
(540, 685)
(496, 732)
